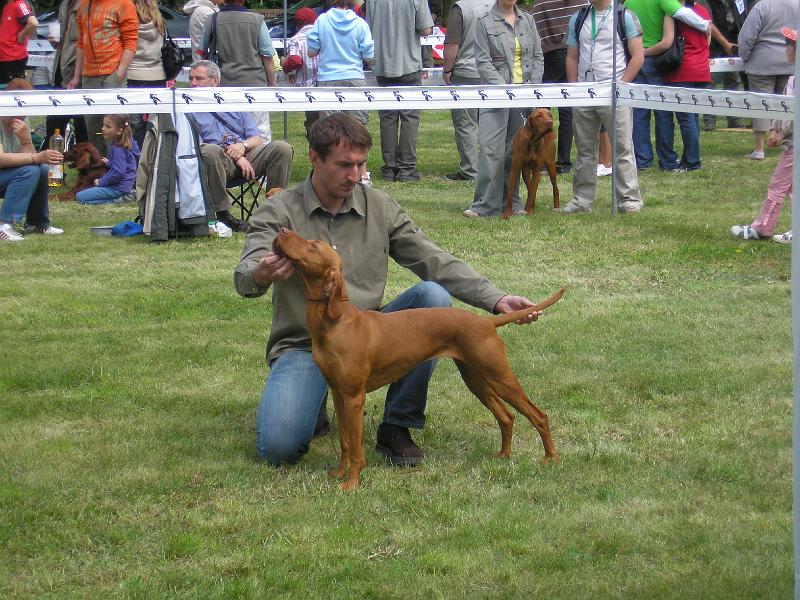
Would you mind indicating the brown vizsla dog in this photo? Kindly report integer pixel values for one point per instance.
(533, 147)
(358, 351)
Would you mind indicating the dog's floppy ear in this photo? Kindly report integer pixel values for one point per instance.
(333, 292)
(84, 159)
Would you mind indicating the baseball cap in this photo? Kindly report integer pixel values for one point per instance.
(305, 15)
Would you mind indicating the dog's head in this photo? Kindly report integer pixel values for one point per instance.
(83, 155)
(320, 268)
(540, 121)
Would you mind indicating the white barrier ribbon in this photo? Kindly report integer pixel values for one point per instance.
(288, 99)
(712, 102)
(86, 102)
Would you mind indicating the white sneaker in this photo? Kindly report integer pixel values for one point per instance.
(783, 238)
(604, 171)
(8, 234)
(49, 230)
(755, 155)
(744, 232)
(572, 208)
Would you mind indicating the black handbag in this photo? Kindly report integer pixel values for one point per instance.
(669, 61)
(172, 57)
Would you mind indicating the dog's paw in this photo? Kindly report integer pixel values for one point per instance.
(339, 473)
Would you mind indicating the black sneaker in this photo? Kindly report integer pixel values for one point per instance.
(457, 177)
(410, 176)
(232, 222)
(395, 443)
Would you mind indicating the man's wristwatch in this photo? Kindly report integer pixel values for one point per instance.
(246, 148)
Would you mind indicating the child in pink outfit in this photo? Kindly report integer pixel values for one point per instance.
(780, 186)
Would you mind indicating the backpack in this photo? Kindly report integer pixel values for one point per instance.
(211, 51)
(583, 13)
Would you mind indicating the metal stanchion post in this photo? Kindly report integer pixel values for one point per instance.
(285, 25)
(795, 270)
(613, 133)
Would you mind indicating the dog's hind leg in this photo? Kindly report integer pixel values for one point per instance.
(498, 376)
(503, 416)
(515, 396)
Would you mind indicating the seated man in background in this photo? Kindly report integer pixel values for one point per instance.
(232, 149)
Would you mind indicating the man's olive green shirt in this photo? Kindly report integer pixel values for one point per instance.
(369, 229)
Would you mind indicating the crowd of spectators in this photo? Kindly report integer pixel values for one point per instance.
(117, 43)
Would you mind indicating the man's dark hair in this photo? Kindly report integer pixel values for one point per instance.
(338, 128)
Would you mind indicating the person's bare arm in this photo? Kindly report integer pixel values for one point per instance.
(716, 35)
(269, 69)
(30, 27)
(572, 64)
(666, 38)
(450, 53)
(636, 50)
(27, 154)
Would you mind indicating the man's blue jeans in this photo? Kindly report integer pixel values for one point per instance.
(642, 147)
(295, 391)
(24, 191)
(689, 124)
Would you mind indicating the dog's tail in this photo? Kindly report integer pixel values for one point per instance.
(507, 318)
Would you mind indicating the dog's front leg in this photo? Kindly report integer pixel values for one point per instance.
(551, 171)
(344, 447)
(353, 408)
(533, 187)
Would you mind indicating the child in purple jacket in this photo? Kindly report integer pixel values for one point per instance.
(123, 156)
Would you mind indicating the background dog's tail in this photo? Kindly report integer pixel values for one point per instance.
(507, 318)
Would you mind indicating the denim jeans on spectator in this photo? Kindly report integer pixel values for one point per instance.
(555, 71)
(667, 159)
(689, 124)
(24, 190)
(98, 195)
(295, 391)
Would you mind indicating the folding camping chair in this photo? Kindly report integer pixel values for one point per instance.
(245, 194)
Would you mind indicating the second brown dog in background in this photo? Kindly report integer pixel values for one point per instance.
(85, 158)
(533, 147)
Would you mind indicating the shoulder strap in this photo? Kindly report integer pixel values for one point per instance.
(622, 31)
(211, 51)
(580, 20)
(224, 121)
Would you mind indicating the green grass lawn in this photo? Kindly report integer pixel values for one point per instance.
(130, 373)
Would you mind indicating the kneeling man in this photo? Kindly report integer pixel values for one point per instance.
(366, 228)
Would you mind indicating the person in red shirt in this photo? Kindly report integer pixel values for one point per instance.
(693, 72)
(18, 23)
